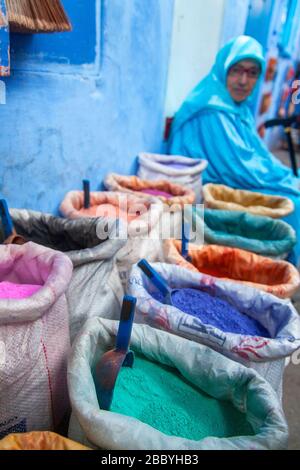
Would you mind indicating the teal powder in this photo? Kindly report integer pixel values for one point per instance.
(160, 396)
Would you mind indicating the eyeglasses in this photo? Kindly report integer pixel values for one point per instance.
(238, 71)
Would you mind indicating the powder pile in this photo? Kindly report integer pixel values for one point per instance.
(160, 397)
(157, 192)
(179, 166)
(214, 311)
(110, 211)
(10, 290)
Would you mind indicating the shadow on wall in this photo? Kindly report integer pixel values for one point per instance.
(67, 119)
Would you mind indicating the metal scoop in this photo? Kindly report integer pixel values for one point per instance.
(109, 365)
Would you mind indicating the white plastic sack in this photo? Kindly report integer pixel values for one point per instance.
(187, 172)
(143, 240)
(95, 288)
(210, 371)
(34, 340)
(138, 233)
(278, 316)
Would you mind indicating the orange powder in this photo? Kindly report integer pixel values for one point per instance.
(110, 211)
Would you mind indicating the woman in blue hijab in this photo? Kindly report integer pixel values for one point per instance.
(216, 123)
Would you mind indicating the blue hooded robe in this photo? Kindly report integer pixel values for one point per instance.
(212, 126)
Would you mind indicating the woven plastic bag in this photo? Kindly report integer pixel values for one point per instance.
(175, 168)
(34, 340)
(276, 277)
(140, 222)
(219, 196)
(208, 370)
(95, 288)
(44, 440)
(261, 235)
(169, 193)
(171, 218)
(265, 355)
(109, 203)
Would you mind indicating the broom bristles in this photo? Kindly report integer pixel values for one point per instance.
(33, 16)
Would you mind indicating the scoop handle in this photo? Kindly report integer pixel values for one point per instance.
(154, 277)
(86, 193)
(185, 231)
(6, 219)
(125, 325)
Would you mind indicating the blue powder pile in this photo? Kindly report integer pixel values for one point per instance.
(161, 397)
(176, 165)
(214, 311)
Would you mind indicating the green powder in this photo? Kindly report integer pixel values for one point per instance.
(161, 397)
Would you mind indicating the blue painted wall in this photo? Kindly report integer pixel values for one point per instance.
(75, 48)
(4, 42)
(82, 104)
(235, 18)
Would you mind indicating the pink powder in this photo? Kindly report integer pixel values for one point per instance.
(9, 290)
(110, 211)
(156, 192)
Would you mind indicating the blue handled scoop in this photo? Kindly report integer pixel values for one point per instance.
(158, 281)
(109, 365)
(86, 194)
(185, 231)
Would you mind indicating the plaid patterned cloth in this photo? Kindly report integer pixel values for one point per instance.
(4, 41)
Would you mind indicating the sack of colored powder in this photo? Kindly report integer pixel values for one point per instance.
(140, 221)
(95, 288)
(174, 168)
(36, 440)
(261, 235)
(169, 193)
(182, 396)
(276, 277)
(270, 326)
(112, 205)
(219, 196)
(34, 338)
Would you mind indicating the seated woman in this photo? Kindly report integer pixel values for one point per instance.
(215, 123)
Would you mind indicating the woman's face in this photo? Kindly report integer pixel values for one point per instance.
(242, 78)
